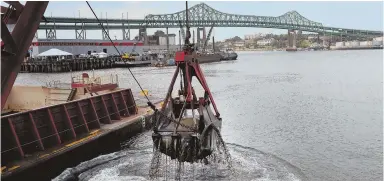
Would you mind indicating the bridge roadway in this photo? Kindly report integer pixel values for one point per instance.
(202, 15)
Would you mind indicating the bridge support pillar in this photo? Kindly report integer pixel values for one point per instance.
(105, 34)
(80, 31)
(143, 35)
(199, 39)
(180, 40)
(204, 35)
(51, 33)
(167, 40)
(291, 40)
(193, 37)
(126, 33)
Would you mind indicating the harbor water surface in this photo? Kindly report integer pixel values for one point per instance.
(286, 115)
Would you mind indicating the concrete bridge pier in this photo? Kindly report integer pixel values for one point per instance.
(126, 30)
(167, 40)
(198, 37)
(126, 33)
(200, 40)
(291, 40)
(193, 37)
(143, 35)
(80, 31)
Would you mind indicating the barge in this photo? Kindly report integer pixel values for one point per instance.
(47, 124)
(44, 139)
(209, 57)
(228, 54)
(294, 49)
(137, 63)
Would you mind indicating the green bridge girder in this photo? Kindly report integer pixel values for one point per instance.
(202, 15)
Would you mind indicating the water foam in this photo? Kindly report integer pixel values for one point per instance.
(133, 163)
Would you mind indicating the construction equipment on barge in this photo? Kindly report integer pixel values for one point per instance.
(39, 135)
(187, 138)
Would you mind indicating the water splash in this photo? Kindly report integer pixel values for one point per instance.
(134, 163)
(218, 164)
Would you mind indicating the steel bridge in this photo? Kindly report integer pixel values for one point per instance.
(202, 15)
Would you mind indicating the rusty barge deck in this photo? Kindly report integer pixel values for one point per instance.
(41, 143)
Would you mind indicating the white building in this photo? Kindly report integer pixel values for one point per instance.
(254, 36)
(378, 39)
(249, 37)
(239, 44)
(171, 39)
(265, 42)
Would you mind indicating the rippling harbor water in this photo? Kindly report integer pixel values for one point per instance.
(286, 116)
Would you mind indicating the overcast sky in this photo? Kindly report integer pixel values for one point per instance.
(358, 15)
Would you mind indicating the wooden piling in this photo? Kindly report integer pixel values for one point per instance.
(67, 65)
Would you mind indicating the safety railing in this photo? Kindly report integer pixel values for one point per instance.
(99, 80)
(57, 84)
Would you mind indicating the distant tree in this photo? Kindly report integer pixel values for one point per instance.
(275, 43)
(236, 38)
(304, 44)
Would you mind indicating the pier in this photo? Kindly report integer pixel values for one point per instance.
(68, 65)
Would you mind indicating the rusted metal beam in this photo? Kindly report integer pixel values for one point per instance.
(9, 15)
(53, 126)
(36, 132)
(3, 9)
(125, 104)
(82, 116)
(6, 36)
(108, 115)
(132, 100)
(115, 108)
(69, 121)
(22, 35)
(45, 124)
(17, 141)
(97, 119)
(16, 4)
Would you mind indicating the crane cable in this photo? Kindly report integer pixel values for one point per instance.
(149, 102)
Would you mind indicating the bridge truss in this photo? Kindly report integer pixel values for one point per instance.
(202, 15)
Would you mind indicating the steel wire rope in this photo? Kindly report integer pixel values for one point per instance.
(149, 102)
(69, 129)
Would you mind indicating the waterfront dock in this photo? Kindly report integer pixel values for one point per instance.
(79, 64)
(68, 65)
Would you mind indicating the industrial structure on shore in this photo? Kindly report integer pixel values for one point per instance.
(376, 43)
